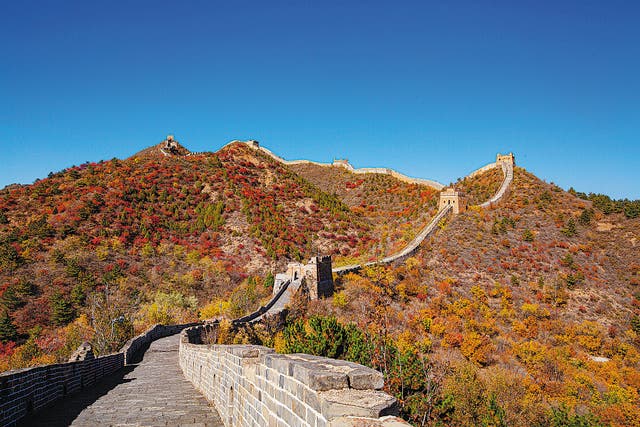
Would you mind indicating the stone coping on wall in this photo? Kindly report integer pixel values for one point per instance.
(253, 385)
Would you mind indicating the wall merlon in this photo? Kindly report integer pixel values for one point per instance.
(357, 403)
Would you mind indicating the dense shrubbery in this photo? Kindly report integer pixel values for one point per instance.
(153, 225)
(630, 208)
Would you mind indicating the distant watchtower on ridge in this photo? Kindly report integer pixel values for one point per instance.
(342, 163)
(170, 144)
(508, 159)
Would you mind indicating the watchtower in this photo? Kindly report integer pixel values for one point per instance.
(454, 198)
(508, 159)
(320, 277)
(170, 143)
(317, 275)
(342, 163)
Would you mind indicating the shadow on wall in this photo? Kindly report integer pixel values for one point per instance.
(27, 391)
(65, 411)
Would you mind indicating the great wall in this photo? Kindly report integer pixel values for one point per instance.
(238, 385)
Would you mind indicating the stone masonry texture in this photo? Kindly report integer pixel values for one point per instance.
(254, 386)
(152, 393)
(25, 391)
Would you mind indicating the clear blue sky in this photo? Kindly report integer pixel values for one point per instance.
(431, 88)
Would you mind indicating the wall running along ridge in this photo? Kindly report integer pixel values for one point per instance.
(507, 170)
(23, 391)
(407, 251)
(254, 386)
(384, 171)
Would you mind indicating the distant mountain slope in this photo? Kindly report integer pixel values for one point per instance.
(396, 210)
(548, 246)
(523, 313)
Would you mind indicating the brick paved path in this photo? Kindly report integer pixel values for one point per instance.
(153, 393)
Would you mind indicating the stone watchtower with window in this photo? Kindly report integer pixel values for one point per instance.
(508, 159)
(317, 275)
(452, 197)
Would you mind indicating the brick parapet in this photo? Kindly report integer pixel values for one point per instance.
(23, 391)
(252, 385)
(136, 345)
(31, 389)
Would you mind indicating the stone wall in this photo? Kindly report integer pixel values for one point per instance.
(252, 385)
(323, 286)
(344, 164)
(427, 231)
(507, 170)
(133, 348)
(26, 390)
(482, 170)
(265, 309)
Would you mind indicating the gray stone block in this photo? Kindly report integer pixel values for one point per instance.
(280, 362)
(365, 379)
(368, 422)
(359, 403)
(318, 378)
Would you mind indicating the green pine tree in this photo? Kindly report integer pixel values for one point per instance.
(570, 229)
(62, 311)
(8, 331)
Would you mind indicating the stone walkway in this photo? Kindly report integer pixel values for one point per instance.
(153, 393)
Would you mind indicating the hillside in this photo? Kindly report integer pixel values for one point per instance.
(522, 313)
(526, 312)
(396, 210)
(156, 236)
